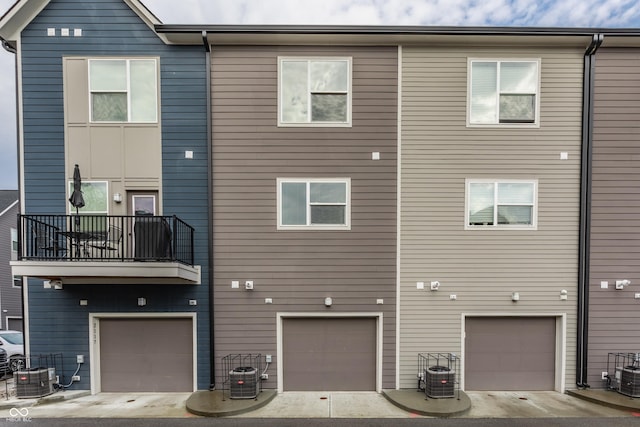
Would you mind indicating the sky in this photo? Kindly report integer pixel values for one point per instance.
(519, 13)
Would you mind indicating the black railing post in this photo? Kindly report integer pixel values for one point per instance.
(20, 237)
(174, 239)
(191, 238)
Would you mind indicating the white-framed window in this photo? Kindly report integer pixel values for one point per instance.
(17, 282)
(96, 205)
(314, 91)
(314, 203)
(492, 204)
(95, 195)
(123, 90)
(14, 242)
(504, 92)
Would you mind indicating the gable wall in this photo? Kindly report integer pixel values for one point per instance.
(57, 322)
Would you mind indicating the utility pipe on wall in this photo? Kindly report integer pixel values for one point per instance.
(585, 212)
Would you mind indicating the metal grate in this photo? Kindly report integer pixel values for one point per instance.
(242, 376)
(438, 375)
(623, 373)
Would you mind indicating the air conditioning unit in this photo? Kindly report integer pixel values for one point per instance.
(35, 382)
(439, 382)
(243, 383)
(629, 381)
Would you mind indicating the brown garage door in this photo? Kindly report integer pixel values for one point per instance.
(510, 353)
(329, 354)
(14, 324)
(146, 355)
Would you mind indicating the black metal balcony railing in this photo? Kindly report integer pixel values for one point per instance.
(104, 238)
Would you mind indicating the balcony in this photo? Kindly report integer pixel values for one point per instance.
(106, 249)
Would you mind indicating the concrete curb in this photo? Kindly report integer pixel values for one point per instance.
(609, 398)
(58, 396)
(215, 404)
(417, 403)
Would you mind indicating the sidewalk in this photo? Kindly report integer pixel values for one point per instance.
(406, 404)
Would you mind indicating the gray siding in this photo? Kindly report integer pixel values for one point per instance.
(10, 296)
(299, 269)
(615, 222)
(57, 323)
(483, 267)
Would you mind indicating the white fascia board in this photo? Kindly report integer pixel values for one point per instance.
(19, 16)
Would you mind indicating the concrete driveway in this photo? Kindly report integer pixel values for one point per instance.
(308, 405)
(531, 404)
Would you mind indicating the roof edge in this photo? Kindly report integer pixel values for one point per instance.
(394, 35)
(18, 17)
(393, 30)
(22, 12)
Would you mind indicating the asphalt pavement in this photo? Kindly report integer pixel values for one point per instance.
(327, 422)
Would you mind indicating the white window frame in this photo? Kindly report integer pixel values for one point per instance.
(19, 279)
(308, 226)
(498, 61)
(495, 225)
(84, 210)
(127, 90)
(308, 122)
(14, 242)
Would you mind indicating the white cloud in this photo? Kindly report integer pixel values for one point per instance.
(570, 13)
(565, 13)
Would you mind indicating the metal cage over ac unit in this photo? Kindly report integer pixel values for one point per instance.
(242, 375)
(438, 375)
(625, 368)
(35, 382)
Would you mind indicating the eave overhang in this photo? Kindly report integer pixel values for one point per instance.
(392, 35)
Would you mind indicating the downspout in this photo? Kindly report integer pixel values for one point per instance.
(585, 212)
(212, 353)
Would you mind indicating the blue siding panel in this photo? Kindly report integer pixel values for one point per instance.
(58, 324)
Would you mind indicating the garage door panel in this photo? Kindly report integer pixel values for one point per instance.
(510, 353)
(322, 354)
(141, 355)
